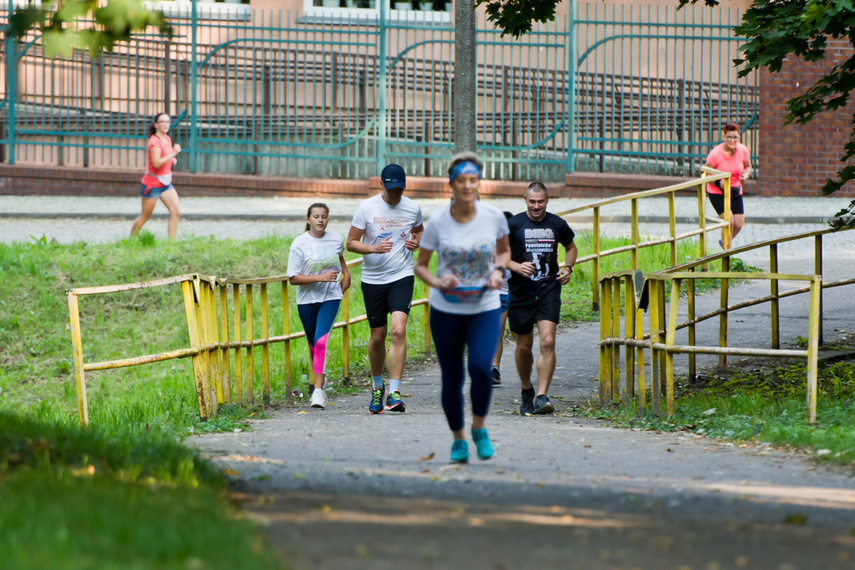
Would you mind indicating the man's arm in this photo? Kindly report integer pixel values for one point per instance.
(354, 243)
(570, 254)
(415, 237)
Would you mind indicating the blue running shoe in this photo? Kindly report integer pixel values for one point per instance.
(376, 405)
(394, 403)
(483, 443)
(460, 451)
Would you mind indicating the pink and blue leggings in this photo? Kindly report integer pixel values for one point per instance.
(318, 319)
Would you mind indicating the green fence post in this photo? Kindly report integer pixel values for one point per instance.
(11, 89)
(194, 63)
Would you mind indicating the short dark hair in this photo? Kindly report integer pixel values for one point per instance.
(731, 127)
(537, 187)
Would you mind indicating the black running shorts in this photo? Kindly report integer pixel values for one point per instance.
(736, 205)
(381, 300)
(524, 312)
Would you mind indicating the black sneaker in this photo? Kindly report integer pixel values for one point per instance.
(497, 376)
(542, 405)
(527, 402)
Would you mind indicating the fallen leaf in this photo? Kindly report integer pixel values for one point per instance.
(428, 457)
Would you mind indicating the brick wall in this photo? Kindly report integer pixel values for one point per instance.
(46, 180)
(800, 157)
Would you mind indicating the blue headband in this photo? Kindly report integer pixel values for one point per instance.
(465, 167)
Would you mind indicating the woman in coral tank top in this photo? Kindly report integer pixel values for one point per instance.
(730, 156)
(157, 181)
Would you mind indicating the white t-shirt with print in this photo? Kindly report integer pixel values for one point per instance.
(379, 221)
(313, 256)
(466, 251)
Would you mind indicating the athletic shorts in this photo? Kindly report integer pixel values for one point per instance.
(524, 312)
(381, 300)
(149, 192)
(503, 300)
(736, 205)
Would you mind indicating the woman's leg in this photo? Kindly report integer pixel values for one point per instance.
(145, 214)
(323, 325)
(170, 200)
(481, 338)
(449, 335)
(309, 317)
(737, 222)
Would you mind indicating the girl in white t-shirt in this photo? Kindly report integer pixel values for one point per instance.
(316, 266)
(471, 242)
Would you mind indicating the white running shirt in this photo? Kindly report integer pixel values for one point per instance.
(466, 251)
(313, 256)
(379, 221)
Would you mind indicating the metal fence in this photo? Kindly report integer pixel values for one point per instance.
(606, 88)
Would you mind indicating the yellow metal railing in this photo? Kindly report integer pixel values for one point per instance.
(206, 306)
(640, 292)
(705, 223)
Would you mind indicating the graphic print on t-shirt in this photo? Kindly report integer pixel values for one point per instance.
(539, 249)
(322, 258)
(470, 266)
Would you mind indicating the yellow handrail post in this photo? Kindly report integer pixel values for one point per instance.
(722, 318)
(237, 341)
(286, 330)
(198, 359)
(265, 352)
(345, 337)
(670, 339)
(639, 361)
(814, 319)
(702, 218)
(634, 233)
(629, 331)
(213, 342)
(202, 324)
(77, 352)
(662, 325)
(727, 214)
(672, 228)
(605, 355)
(250, 372)
(224, 336)
(426, 329)
(773, 290)
(655, 336)
(817, 256)
(595, 273)
(615, 334)
(690, 302)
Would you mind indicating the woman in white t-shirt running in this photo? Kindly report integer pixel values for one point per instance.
(316, 266)
(470, 239)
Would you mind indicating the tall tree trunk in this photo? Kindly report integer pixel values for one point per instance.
(465, 76)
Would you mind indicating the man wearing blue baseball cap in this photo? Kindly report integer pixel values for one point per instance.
(386, 229)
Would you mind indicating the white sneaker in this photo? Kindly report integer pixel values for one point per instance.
(319, 398)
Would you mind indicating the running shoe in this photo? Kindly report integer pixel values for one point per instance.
(376, 405)
(483, 443)
(497, 376)
(459, 451)
(542, 405)
(527, 402)
(319, 399)
(394, 403)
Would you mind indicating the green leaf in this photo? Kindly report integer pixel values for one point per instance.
(59, 42)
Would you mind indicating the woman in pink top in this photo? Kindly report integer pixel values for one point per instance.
(157, 181)
(730, 156)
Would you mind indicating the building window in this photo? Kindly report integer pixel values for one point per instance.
(417, 10)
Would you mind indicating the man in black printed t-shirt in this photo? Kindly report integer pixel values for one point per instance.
(535, 292)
